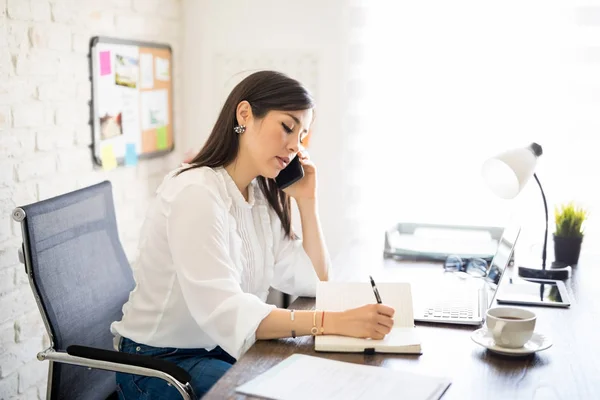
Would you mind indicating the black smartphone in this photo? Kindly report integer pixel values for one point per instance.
(290, 174)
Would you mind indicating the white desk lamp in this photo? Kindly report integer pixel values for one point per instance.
(506, 174)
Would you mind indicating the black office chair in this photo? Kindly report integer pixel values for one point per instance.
(81, 278)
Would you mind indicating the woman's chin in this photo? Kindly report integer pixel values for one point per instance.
(271, 173)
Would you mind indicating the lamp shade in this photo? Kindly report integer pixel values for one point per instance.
(507, 173)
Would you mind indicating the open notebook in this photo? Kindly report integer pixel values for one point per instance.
(339, 296)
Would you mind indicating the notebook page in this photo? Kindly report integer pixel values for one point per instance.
(339, 296)
(301, 377)
(397, 338)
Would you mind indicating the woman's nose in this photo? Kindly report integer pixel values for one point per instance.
(294, 143)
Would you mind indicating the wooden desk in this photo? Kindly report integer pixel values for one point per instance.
(570, 369)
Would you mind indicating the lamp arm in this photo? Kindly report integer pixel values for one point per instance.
(546, 233)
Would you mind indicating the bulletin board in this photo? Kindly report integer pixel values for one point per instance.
(132, 100)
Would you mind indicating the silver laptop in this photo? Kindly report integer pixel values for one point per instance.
(461, 299)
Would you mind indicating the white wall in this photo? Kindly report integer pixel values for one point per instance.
(44, 138)
(465, 80)
(306, 40)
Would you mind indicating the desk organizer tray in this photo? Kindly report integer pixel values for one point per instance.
(425, 241)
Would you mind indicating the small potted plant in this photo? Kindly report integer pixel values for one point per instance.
(568, 236)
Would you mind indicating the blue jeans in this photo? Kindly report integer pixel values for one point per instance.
(205, 367)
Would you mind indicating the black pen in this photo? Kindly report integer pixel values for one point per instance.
(375, 290)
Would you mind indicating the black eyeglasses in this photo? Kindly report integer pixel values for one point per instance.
(472, 266)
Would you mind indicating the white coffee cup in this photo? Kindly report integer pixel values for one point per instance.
(511, 327)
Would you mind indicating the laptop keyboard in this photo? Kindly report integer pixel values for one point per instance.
(456, 306)
(448, 312)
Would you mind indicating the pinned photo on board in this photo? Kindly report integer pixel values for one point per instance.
(155, 109)
(111, 126)
(162, 69)
(126, 71)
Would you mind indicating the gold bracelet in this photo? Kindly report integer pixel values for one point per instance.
(323, 322)
(314, 329)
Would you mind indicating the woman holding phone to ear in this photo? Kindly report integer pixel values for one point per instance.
(218, 235)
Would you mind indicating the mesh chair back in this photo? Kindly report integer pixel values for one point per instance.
(83, 278)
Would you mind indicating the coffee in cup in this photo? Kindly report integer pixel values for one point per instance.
(511, 327)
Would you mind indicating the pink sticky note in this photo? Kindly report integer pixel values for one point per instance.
(104, 63)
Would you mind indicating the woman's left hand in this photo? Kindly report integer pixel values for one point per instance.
(305, 188)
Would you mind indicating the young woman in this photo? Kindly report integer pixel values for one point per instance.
(219, 235)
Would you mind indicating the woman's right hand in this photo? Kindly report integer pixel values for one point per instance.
(369, 321)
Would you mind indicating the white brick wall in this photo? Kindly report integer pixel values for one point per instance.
(44, 139)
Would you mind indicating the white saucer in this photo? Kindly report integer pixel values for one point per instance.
(538, 342)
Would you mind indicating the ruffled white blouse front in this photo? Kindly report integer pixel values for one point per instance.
(207, 260)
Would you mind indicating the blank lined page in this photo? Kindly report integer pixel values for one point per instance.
(339, 296)
(306, 377)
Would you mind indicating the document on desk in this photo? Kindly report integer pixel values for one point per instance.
(301, 377)
(339, 296)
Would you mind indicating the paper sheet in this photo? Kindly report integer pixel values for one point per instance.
(162, 69)
(155, 109)
(130, 102)
(306, 377)
(146, 71)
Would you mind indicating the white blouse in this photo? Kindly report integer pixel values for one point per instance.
(207, 260)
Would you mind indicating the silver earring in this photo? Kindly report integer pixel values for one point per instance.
(239, 129)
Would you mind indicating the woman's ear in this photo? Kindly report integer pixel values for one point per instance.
(243, 113)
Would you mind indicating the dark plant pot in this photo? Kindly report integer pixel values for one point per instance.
(567, 249)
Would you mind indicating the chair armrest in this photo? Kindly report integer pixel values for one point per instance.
(130, 359)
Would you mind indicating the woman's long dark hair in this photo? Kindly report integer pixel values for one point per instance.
(265, 91)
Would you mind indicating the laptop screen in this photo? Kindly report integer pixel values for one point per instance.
(502, 258)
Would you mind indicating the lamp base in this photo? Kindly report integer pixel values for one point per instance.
(538, 273)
